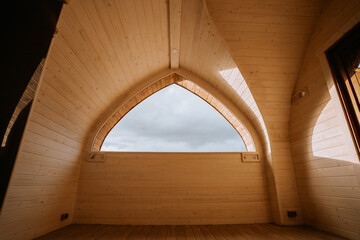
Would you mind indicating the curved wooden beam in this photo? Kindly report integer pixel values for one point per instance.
(160, 84)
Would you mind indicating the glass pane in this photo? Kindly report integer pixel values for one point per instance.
(173, 120)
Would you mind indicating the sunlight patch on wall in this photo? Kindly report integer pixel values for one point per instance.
(236, 80)
(327, 139)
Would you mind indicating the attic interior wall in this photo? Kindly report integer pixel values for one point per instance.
(81, 78)
(326, 164)
(267, 41)
(43, 184)
(74, 94)
(172, 188)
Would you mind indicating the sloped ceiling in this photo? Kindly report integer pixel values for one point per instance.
(103, 50)
(110, 45)
(267, 40)
(106, 48)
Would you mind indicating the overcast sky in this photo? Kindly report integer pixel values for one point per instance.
(173, 120)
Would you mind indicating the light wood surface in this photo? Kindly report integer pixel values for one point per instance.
(25, 99)
(267, 42)
(104, 50)
(205, 54)
(175, 7)
(326, 163)
(44, 180)
(172, 188)
(224, 232)
(100, 49)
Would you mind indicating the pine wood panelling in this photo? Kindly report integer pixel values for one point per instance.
(260, 37)
(172, 188)
(43, 184)
(204, 53)
(47, 159)
(101, 49)
(44, 181)
(326, 170)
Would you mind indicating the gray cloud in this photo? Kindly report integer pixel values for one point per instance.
(173, 120)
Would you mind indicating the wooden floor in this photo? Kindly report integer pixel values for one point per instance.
(241, 232)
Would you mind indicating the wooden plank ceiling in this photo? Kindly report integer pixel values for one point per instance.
(267, 40)
(109, 47)
(104, 49)
(115, 43)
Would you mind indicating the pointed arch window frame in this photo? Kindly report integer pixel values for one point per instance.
(163, 83)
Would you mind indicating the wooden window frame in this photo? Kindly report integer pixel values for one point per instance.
(160, 84)
(342, 57)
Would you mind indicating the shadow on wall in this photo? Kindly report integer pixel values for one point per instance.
(328, 177)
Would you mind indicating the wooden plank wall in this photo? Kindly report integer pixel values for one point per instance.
(172, 188)
(27, 96)
(327, 168)
(267, 41)
(89, 63)
(44, 181)
(102, 50)
(106, 48)
(205, 53)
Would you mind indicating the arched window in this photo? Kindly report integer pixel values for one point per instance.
(173, 115)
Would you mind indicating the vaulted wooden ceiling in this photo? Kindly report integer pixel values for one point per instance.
(103, 50)
(267, 40)
(109, 47)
